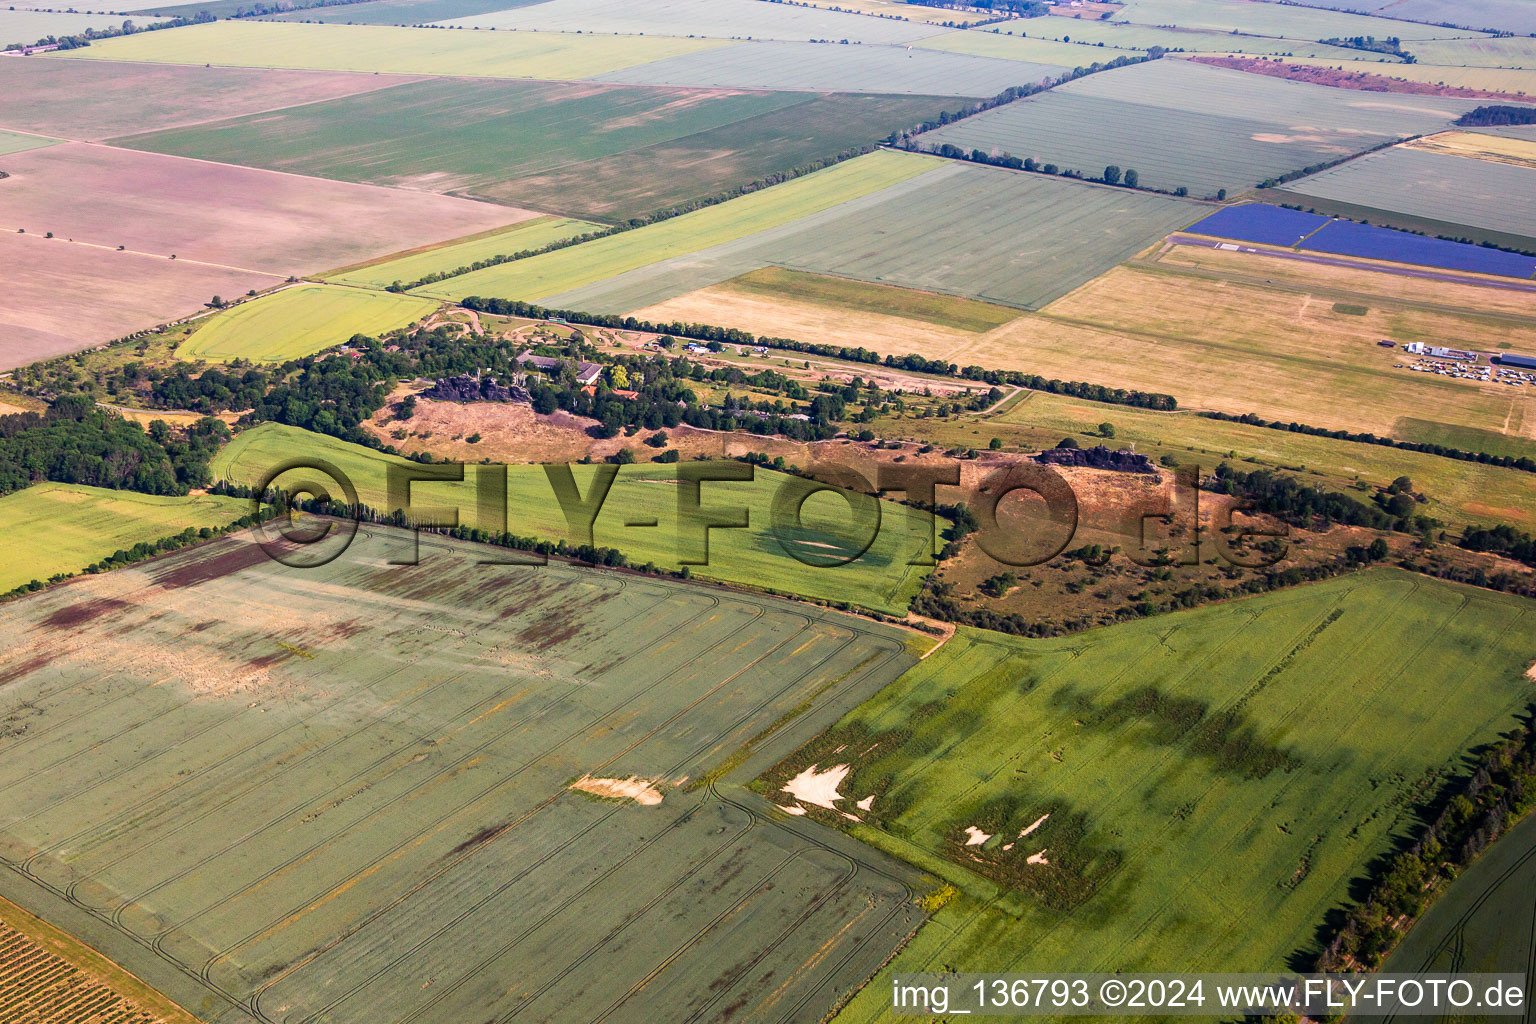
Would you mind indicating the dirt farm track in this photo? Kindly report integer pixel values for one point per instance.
(332, 802)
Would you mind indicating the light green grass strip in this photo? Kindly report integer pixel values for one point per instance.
(62, 528)
(300, 321)
(581, 265)
(531, 234)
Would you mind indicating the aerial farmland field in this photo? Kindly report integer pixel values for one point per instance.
(567, 269)
(415, 264)
(1454, 189)
(1004, 45)
(721, 19)
(231, 217)
(1504, 15)
(300, 321)
(1290, 21)
(1123, 35)
(1486, 52)
(14, 142)
(62, 528)
(389, 50)
(453, 795)
(641, 519)
(1154, 116)
(820, 67)
(510, 141)
(87, 101)
(27, 27)
(399, 12)
(41, 317)
(1175, 781)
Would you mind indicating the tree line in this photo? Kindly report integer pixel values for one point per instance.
(75, 442)
(1476, 811)
(1522, 463)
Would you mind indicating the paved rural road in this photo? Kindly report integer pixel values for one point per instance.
(1330, 261)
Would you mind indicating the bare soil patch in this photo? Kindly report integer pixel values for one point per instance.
(84, 100)
(1356, 80)
(46, 280)
(235, 217)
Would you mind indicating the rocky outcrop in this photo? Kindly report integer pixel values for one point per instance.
(467, 388)
(1098, 457)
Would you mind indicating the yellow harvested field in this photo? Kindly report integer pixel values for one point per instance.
(1241, 348)
(804, 321)
(390, 50)
(1361, 282)
(1499, 149)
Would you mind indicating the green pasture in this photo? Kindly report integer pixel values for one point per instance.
(15, 142)
(299, 321)
(1214, 779)
(62, 528)
(603, 258)
(879, 579)
(419, 263)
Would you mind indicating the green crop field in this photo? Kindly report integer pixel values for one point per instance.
(62, 528)
(369, 792)
(645, 149)
(434, 259)
(14, 142)
(1184, 124)
(1000, 236)
(586, 264)
(758, 556)
(1467, 438)
(1484, 52)
(299, 321)
(995, 43)
(862, 297)
(389, 50)
(1192, 793)
(1436, 186)
(1482, 922)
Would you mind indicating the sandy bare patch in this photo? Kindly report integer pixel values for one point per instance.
(819, 789)
(1036, 858)
(866, 803)
(794, 809)
(975, 836)
(1038, 822)
(641, 791)
(1530, 673)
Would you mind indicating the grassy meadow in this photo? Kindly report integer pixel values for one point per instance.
(389, 50)
(62, 528)
(1191, 793)
(299, 321)
(603, 258)
(879, 579)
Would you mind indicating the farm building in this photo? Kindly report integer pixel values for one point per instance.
(586, 373)
(1519, 362)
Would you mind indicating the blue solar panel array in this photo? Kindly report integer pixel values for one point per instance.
(1258, 222)
(1275, 225)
